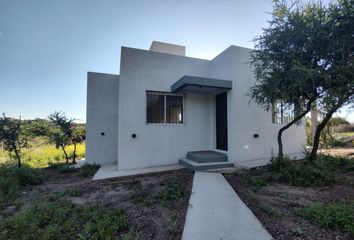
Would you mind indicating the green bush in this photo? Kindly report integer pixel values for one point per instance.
(64, 220)
(338, 143)
(338, 216)
(255, 183)
(12, 179)
(320, 172)
(301, 174)
(88, 170)
(63, 167)
(173, 191)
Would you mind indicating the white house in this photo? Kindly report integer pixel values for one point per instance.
(165, 104)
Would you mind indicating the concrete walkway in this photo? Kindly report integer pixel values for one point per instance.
(215, 212)
(111, 171)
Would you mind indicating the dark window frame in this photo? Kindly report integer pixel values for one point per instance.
(166, 119)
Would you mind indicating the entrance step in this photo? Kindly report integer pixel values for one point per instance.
(207, 156)
(196, 166)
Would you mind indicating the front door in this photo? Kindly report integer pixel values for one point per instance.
(221, 121)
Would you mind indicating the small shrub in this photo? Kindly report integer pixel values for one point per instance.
(338, 216)
(297, 231)
(145, 196)
(88, 170)
(171, 192)
(338, 143)
(131, 235)
(320, 172)
(64, 220)
(173, 224)
(12, 179)
(71, 192)
(63, 167)
(255, 183)
(29, 176)
(270, 210)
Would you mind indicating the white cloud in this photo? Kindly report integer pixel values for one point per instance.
(1, 35)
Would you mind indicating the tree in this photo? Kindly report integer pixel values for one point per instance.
(12, 136)
(63, 132)
(80, 132)
(305, 57)
(338, 62)
(327, 133)
(59, 139)
(285, 61)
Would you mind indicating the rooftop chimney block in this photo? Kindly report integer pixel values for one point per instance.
(168, 48)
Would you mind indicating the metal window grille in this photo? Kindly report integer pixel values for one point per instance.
(282, 113)
(164, 107)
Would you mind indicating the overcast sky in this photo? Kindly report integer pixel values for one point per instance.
(47, 46)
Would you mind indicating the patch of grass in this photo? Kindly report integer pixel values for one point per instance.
(344, 134)
(338, 216)
(71, 192)
(255, 183)
(320, 172)
(131, 235)
(88, 170)
(44, 155)
(63, 167)
(64, 220)
(171, 192)
(297, 231)
(270, 210)
(173, 224)
(12, 179)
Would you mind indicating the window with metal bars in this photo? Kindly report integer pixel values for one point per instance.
(164, 107)
(282, 113)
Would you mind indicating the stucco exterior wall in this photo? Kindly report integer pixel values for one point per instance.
(102, 117)
(246, 118)
(117, 106)
(158, 144)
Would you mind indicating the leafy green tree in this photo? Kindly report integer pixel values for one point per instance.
(327, 135)
(305, 57)
(59, 139)
(63, 132)
(12, 136)
(338, 62)
(80, 132)
(285, 61)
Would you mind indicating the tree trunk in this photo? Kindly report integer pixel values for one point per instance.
(66, 155)
(281, 130)
(74, 157)
(18, 158)
(314, 121)
(320, 127)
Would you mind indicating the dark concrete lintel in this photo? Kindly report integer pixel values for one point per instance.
(211, 85)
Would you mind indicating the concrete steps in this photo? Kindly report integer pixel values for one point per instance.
(207, 156)
(194, 166)
(205, 160)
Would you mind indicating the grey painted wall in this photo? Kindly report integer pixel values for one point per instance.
(102, 117)
(158, 144)
(246, 118)
(122, 112)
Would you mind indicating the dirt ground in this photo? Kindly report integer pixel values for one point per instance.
(275, 204)
(155, 220)
(349, 152)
